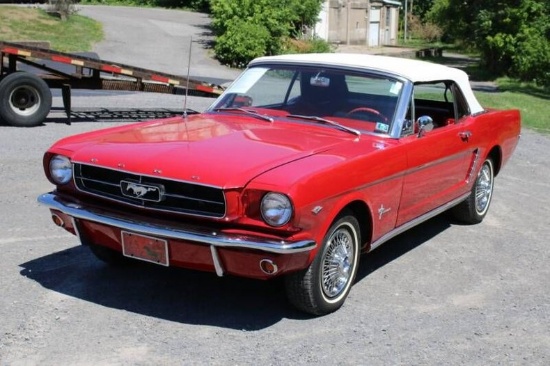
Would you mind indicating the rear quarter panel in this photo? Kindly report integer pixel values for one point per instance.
(498, 128)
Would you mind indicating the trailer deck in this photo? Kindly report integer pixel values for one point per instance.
(25, 98)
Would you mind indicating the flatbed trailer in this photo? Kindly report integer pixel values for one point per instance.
(26, 97)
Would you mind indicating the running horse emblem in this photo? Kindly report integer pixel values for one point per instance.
(136, 190)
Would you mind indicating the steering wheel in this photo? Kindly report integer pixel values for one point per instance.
(379, 116)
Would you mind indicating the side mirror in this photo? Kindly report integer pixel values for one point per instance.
(424, 124)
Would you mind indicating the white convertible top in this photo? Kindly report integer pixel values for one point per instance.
(413, 70)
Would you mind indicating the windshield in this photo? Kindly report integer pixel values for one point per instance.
(362, 101)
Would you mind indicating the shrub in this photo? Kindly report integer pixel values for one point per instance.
(201, 5)
(513, 37)
(426, 31)
(262, 12)
(62, 8)
(280, 18)
(531, 57)
(241, 42)
(313, 45)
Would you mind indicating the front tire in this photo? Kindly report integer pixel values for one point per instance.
(474, 209)
(25, 99)
(324, 286)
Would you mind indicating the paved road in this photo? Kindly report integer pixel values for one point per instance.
(155, 39)
(441, 294)
(158, 39)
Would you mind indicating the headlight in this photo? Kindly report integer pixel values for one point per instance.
(276, 209)
(61, 169)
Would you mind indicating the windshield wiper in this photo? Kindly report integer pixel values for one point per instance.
(250, 112)
(326, 121)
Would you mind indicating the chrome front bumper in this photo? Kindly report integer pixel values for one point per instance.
(213, 239)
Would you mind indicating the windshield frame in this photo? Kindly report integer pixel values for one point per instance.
(395, 121)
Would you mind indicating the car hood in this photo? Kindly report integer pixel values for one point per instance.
(219, 150)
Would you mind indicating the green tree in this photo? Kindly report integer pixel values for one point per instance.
(201, 5)
(531, 58)
(261, 13)
(281, 19)
(241, 42)
(511, 35)
(420, 8)
(305, 13)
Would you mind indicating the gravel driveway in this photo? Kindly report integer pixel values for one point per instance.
(440, 294)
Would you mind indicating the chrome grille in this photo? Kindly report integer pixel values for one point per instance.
(177, 196)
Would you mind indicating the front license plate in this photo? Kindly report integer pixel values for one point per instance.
(145, 248)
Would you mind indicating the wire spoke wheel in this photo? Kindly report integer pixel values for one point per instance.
(336, 263)
(474, 208)
(483, 188)
(324, 286)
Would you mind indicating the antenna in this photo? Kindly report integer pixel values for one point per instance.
(187, 86)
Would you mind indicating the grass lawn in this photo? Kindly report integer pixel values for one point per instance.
(535, 109)
(78, 33)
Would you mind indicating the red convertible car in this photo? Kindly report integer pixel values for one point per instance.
(304, 163)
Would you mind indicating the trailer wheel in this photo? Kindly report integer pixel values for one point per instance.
(25, 99)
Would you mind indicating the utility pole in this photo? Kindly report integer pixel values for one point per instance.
(347, 22)
(405, 25)
(412, 2)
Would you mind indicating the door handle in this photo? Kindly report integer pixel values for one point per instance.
(465, 135)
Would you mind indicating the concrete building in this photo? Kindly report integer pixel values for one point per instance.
(372, 23)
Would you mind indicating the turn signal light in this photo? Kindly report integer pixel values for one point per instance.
(268, 267)
(58, 220)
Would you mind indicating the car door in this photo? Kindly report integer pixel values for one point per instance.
(438, 161)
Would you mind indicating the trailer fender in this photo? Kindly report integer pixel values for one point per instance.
(25, 99)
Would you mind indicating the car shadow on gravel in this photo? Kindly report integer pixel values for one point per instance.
(402, 244)
(172, 294)
(192, 297)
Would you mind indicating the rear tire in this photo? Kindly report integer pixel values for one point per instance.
(25, 100)
(474, 209)
(324, 286)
